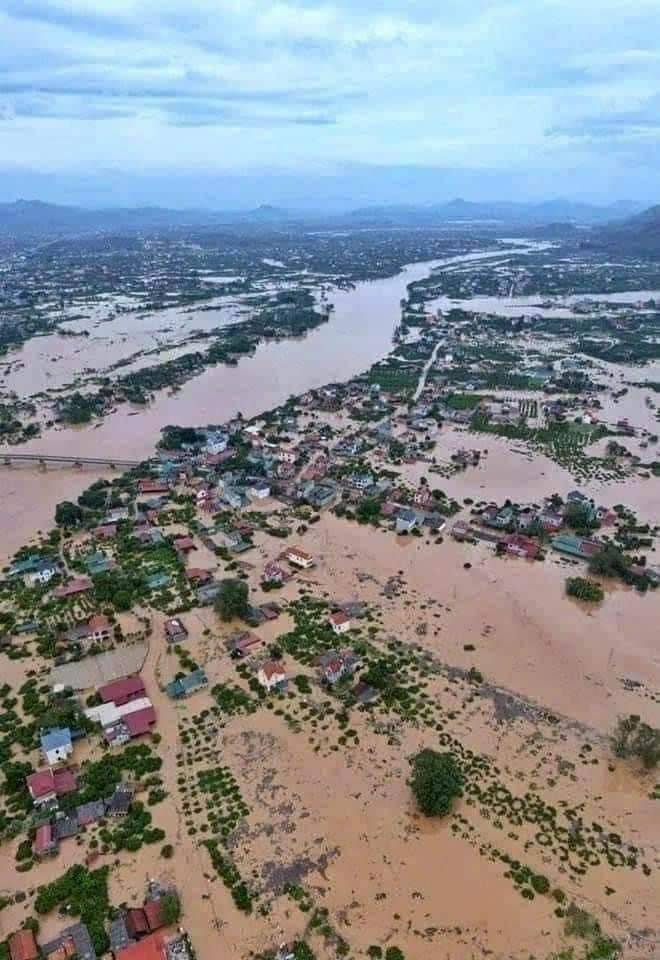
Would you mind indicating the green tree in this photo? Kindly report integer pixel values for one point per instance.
(171, 908)
(68, 514)
(584, 589)
(436, 782)
(232, 599)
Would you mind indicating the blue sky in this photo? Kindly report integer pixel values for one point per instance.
(560, 94)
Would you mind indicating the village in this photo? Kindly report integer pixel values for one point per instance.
(237, 574)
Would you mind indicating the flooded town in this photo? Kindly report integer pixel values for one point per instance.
(329, 606)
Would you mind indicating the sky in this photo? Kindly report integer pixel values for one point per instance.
(492, 99)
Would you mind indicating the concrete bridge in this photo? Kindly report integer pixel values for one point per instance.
(44, 459)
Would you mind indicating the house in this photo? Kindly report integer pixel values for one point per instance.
(23, 946)
(207, 593)
(272, 675)
(519, 546)
(406, 520)
(273, 573)
(360, 481)
(198, 575)
(97, 630)
(151, 947)
(185, 686)
(72, 941)
(298, 557)
(45, 786)
(259, 490)
(242, 643)
(122, 691)
(98, 562)
(65, 826)
(175, 631)
(136, 922)
(550, 521)
(45, 842)
(56, 745)
(320, 495)
(120, 802)
(30, 564)
(340, 622)
(91, 812)
(42, 572)
(119, 935)
(153, 486)
(581, 547)
(158, 581)
(73, 588)
(333, 665)
(106, 531)
(216, 442)
(184, 545)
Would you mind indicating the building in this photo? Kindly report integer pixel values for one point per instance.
(298, 557)
(519, 546)
(45, 843)
(72, 941)
(45, 786)
(272, 675)
(185, 686)
(42, 572)
(241, 644)
(73, 588)
(175, 632)
(259, 490)
(580, 547)
(406, 520)
(273, 573)
(23, 946)
(340, 622)
(56, 745)
(97, 630)
(122, 691)
(151, 947)
(120, 802)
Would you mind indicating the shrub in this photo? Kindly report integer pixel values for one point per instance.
(436, 782)
(584, 589)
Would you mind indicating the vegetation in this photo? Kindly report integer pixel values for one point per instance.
(634, 738)
(85, 894)
(232, 599)
(436, 782)
(584, 589)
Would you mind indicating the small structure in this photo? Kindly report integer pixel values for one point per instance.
(175, 631)
(272, 675)
(120, 802)
(185, 686)
(23, 946)
(119, 935)
(56, 745)
(259, 490)
(184, 545)
(96, 630)
(364, 694)
(340, 622)
(45, 786)
(274, 573)
(241, 643)
(519, 546)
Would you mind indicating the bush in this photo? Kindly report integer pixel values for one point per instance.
(540, 883)
(584, 589)
(436, 782)
(167, 852)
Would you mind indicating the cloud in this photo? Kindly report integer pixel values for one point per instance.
(491, 84)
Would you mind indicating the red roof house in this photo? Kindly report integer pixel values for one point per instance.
(149, 948)
(122, 691)
(153, 911)
(136, 922)
(153, 486)
(23, 946)
(140, 722)
(520, 546)
(184, 544)
(78, 585)
(46, 785)
(45, 841)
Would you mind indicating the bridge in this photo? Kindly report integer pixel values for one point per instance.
(44, 459)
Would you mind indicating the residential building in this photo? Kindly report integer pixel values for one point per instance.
(56, 745)
(45, 786)
(73, 588)
(45, 842)
(406, 520)
(340, 622)
(122, 691)
(23, 945)
(186, 686)
(42, 572)
(581, 547)
(175, 631)
(272, 675)
(298, 557)
(73, 941)
(242, 643)
(97, 630)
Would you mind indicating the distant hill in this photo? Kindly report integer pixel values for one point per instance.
(25, 221)
(637, 236)
(551, 211)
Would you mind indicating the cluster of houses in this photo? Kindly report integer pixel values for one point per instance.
(56, 825)
(125, 711)
(136, 933)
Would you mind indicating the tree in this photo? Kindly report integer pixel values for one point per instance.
(633, 738)
(232, 599)
(171, 908)
(584, 589)
(68, 514)
(436, 782)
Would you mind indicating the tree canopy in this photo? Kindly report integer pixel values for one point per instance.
(68, 514)
(436, 782)
(232, 599)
